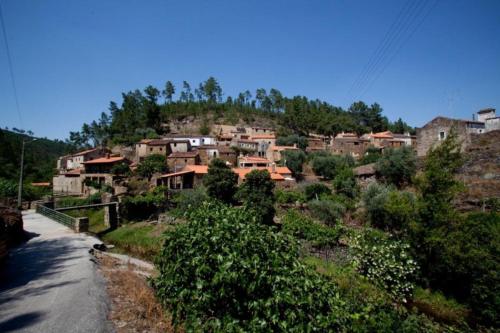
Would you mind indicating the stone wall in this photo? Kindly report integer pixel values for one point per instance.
(428, 135)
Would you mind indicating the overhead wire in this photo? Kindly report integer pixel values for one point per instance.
(9, 62)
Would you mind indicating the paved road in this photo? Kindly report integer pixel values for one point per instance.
(50, 283)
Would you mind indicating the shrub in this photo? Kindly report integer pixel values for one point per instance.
(152, 164)
(328, 211)
(294, 159)
(345, 183)
(190, 199)
(304, 228)
(397, 166)
(328, 166)
(121, 169)
(257, 195)
(389, 209)
(300, 141)
(218, 272)
(468, 264)
(315, 190)
(220, 181)
(142, 206)
(386, 262)
(289, 197)
(372, 155)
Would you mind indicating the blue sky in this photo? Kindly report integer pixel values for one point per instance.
(70, 58)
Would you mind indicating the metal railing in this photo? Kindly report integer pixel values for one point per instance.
(62, 218)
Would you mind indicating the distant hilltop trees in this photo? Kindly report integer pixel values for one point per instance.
(143, 114)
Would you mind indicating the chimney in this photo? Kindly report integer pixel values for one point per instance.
(107, 155)
(294, 145)
(273, 167)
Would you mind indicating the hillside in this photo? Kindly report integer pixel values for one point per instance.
(40, 156)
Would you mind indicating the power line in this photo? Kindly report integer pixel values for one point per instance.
(396, 36)
(9, 61)
(415, 28)
(400, 28)
(382, 45)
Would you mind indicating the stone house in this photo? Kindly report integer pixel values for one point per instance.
(194, 140)
(163, 147)
(347, 145)
(265, 141)
(488, 116)
(177, 161)
(438, 129)
(248, 145)
(208, 153)
(253, 162)
(275, 153)
(75, 161)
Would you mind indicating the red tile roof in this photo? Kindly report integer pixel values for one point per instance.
(105, 160)
(180, 154)
(173, 174)
(198, 169)
(253, 159)
(85, 152)
(281, 148)
(263, 136)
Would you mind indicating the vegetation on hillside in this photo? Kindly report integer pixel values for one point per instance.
(146, 114)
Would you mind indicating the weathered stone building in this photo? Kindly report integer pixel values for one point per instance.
(439, 128)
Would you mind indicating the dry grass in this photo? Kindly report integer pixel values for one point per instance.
(134, 307)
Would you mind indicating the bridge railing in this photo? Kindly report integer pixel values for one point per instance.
(78, 224)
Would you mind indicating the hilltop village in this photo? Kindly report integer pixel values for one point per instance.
(243, 149)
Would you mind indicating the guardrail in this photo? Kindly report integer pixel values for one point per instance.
(78, 224)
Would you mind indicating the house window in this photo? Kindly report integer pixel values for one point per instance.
(215, 154)
(185, 160)
(150, 149)
(175, 144)
(442, 135)
(161, 149)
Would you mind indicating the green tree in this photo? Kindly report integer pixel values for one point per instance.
(212, 90)
(397, 166)
(294, 160)
(256, 193)
(316, 190)
(290, 140)
(169, 91)
(220, 181)
(345, 183)
(152, 164)
(328, 166)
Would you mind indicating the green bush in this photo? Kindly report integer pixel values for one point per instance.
(220, 273)
(220, 181)
(256, 194)
(345, 183)
(386, 262)
(397, 166)
(152, 164)
(289, 197)
(328, 166)
(468, 265)
(189, 199)
(389, 209)
(294, 160)
(315, 190)
(142, 206)
(300, 141)
(304, 228)
(328, 211)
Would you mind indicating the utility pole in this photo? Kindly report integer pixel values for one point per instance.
(20, 187)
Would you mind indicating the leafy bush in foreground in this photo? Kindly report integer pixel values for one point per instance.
(289, 196)
(222, 272)
(328, 211)
(304, 228)
(386, 262)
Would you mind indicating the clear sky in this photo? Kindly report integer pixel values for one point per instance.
(70, 58)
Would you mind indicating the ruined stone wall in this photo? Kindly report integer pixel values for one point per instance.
(428, 135)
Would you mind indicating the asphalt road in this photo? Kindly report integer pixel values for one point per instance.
(50, 283)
